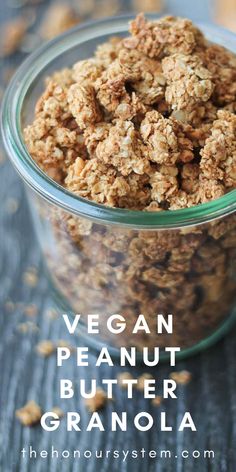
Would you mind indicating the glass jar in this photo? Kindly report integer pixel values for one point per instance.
(106, 260)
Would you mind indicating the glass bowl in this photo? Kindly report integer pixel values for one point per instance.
(115, 261)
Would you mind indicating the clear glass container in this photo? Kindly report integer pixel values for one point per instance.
(106, 260)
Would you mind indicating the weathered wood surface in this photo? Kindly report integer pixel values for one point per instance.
(210, 397)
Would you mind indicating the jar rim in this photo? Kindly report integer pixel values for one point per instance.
(50, 190)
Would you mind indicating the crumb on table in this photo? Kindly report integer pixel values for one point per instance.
(45, 348)
(97, 402)
(182, 378)
(30, 414)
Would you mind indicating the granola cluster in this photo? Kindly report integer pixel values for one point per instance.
(147, 124)
(30, 414)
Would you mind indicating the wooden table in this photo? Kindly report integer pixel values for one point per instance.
(24, 375)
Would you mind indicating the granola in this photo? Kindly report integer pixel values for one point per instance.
(97, 402)
(143, 105)
(30, 277)
(31, 310)
(183, 377)
(12, 35)
(58, 18)
(146, 124)
(166, 36)
(219, 153)
(30, 414)
(45, 348)
(157, 401)
(123, 377)
(149, 6)
(58, 411)
(142, 379)
(189, 82)
(103, 8)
